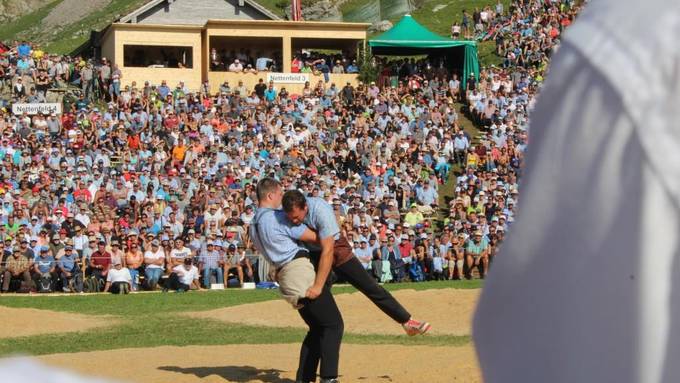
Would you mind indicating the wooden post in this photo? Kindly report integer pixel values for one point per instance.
(287, 54)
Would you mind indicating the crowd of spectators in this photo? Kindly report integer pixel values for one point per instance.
(305, 61)
(155, 183)
(244, 60)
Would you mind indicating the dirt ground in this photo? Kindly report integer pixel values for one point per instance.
(25, 322)
(449, 311)
(275, 363)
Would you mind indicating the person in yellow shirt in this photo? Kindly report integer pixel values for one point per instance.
(472, 158)
(178, 152)
(414, 217)
(38, 54)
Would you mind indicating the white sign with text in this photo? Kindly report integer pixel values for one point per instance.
(45, 108)
(288, 78)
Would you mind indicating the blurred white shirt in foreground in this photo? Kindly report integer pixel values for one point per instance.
(586, 287)
(30, 370)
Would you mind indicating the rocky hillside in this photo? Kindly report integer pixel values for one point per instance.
(12, 9)
(60, 25)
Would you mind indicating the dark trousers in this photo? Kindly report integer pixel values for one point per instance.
(354, 273)
(173, 283)
(322, 342)
(25, 277)
(74, 282)
(119, 288)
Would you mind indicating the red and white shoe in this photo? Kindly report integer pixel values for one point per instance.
(414, 327)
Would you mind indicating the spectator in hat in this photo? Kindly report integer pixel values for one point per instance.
(117, 252)
(414, 216)
(363, 253)
(16, 267)
(89, 249)
(70, 270)
(56, 244)
(80, 240)
(184, 277)
(176, 227)
(100, 262)
(390, 253)
(193, 242)
(235, 262)
(19, 89)
(154, 261)
(134, 258)
(456, 257)
(45, 266)
(477, 254)
(26, 251)
(236, 66)
(211, 262)
(427, 196)
(418, 266)
(179, 253)
(118, 279)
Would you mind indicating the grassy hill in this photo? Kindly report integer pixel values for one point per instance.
(69, 33)
(69, 30)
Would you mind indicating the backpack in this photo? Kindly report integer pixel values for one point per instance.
(75, 284)
(416, 272)
(438, 264)
(45, 283)
(92, 284)
(385, 272)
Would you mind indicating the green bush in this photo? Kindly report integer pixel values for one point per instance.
(368, 71)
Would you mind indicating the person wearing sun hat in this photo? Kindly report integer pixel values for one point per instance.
(414, 216)
(154, 261)
(16, 266)
(211, 261)
(45, 267)
(70, 270)
(118, 279)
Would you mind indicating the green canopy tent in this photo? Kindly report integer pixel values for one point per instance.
(408, 37)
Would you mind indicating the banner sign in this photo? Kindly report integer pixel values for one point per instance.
(288, 78)
(45, 108)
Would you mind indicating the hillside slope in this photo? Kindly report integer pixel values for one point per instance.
(60, 26)
(11, 9)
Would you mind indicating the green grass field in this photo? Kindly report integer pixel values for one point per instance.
(154, 319)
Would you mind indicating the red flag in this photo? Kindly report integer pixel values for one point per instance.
(296, 10)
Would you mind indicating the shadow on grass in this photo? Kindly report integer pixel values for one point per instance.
(233, 373)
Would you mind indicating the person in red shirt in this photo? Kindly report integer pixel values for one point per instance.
(79, 141)
(296, 65)
(82, 193)
(405, 246)
(100, 262)
(134, 141)
(171, 121)
(229, 178)
(207, 103)
(67, 120)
